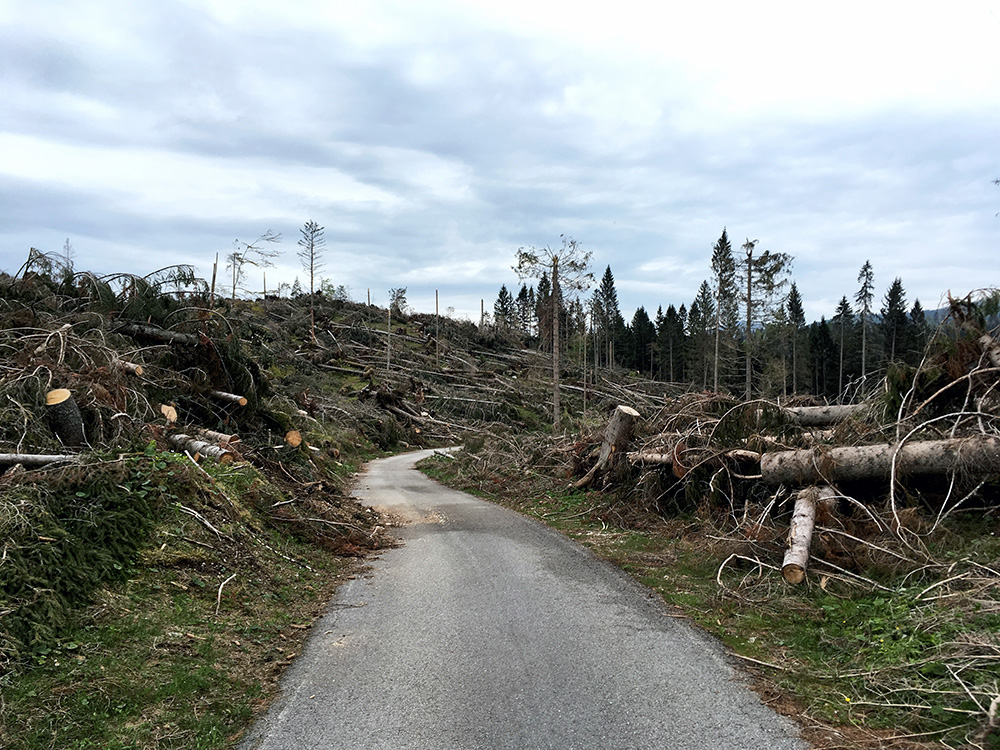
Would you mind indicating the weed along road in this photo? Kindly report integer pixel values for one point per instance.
(488, 630)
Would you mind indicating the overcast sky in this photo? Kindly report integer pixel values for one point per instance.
(433, 139)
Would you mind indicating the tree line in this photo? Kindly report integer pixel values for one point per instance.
(745, 330)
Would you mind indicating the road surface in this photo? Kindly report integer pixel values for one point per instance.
(488, 630)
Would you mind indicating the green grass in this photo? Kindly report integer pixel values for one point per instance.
(866, 662)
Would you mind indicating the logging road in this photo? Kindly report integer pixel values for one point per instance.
(489, 630)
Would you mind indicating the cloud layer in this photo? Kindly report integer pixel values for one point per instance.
(432, 142)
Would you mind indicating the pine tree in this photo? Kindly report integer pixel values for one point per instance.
(864, 297)
(609, 325)
(917, 330)
(894, 320)
(797, 320)
(504, 310)
(843, 320)
(762, 277)
(726, 299)
(642, 334)
(526, 309)
(312, 243)
(703, 341)
(671, 338)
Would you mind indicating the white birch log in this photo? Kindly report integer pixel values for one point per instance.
(793, 568)
(617, 435)
(974, 455)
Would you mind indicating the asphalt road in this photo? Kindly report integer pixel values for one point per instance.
(489, 630)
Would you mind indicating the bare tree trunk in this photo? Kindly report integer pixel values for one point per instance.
(817, 416)
(979, 455)
(556, 407)
(32, 459)
(617, 435)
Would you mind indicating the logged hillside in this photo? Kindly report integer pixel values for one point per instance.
(174, 507)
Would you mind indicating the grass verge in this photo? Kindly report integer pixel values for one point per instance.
(906, 660)
(186, 641)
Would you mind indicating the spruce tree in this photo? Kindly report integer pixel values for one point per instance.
(864, 297)
(797, 320)
(843, 320)
(726, 299)
(894, 320)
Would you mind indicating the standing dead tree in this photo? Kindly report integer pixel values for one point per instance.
(568, 270)
(312, 244)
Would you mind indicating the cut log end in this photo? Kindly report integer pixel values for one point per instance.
(64, 417)
(231, 397)
(793, 573)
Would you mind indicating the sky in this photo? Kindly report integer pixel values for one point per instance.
(432, 140)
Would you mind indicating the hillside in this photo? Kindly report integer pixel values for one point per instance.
(153, 589)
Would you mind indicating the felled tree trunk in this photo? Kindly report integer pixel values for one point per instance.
(231, 397)
(32, 459)
(793, 568)
(159, 334)
(64, 417)
(819, 416)
(200, 448)
(219, 438)
(976, 455)
(617, 435)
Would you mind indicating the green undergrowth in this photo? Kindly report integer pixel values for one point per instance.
(146, 602)
(908, 659)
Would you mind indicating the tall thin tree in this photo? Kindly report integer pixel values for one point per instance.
(568, 269)
(312, 244)
(864, 296)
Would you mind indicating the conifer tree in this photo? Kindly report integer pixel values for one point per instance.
(864, 297)
(797, 320)
(844, 321)
(762, 278)
(504, 310)
(894, 320)
(726, 299)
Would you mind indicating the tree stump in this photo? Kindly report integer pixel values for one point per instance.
(617, 435)
(64, 417)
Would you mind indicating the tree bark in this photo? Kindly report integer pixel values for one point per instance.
(231, 397)
(200, 448)
(617, 435)
(219, 438)
(64, 417)
(159, 334)
(974, 455)
(817, 416)
(32, 459)
(793, 568)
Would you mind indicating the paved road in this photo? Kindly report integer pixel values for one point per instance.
(488, 630)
